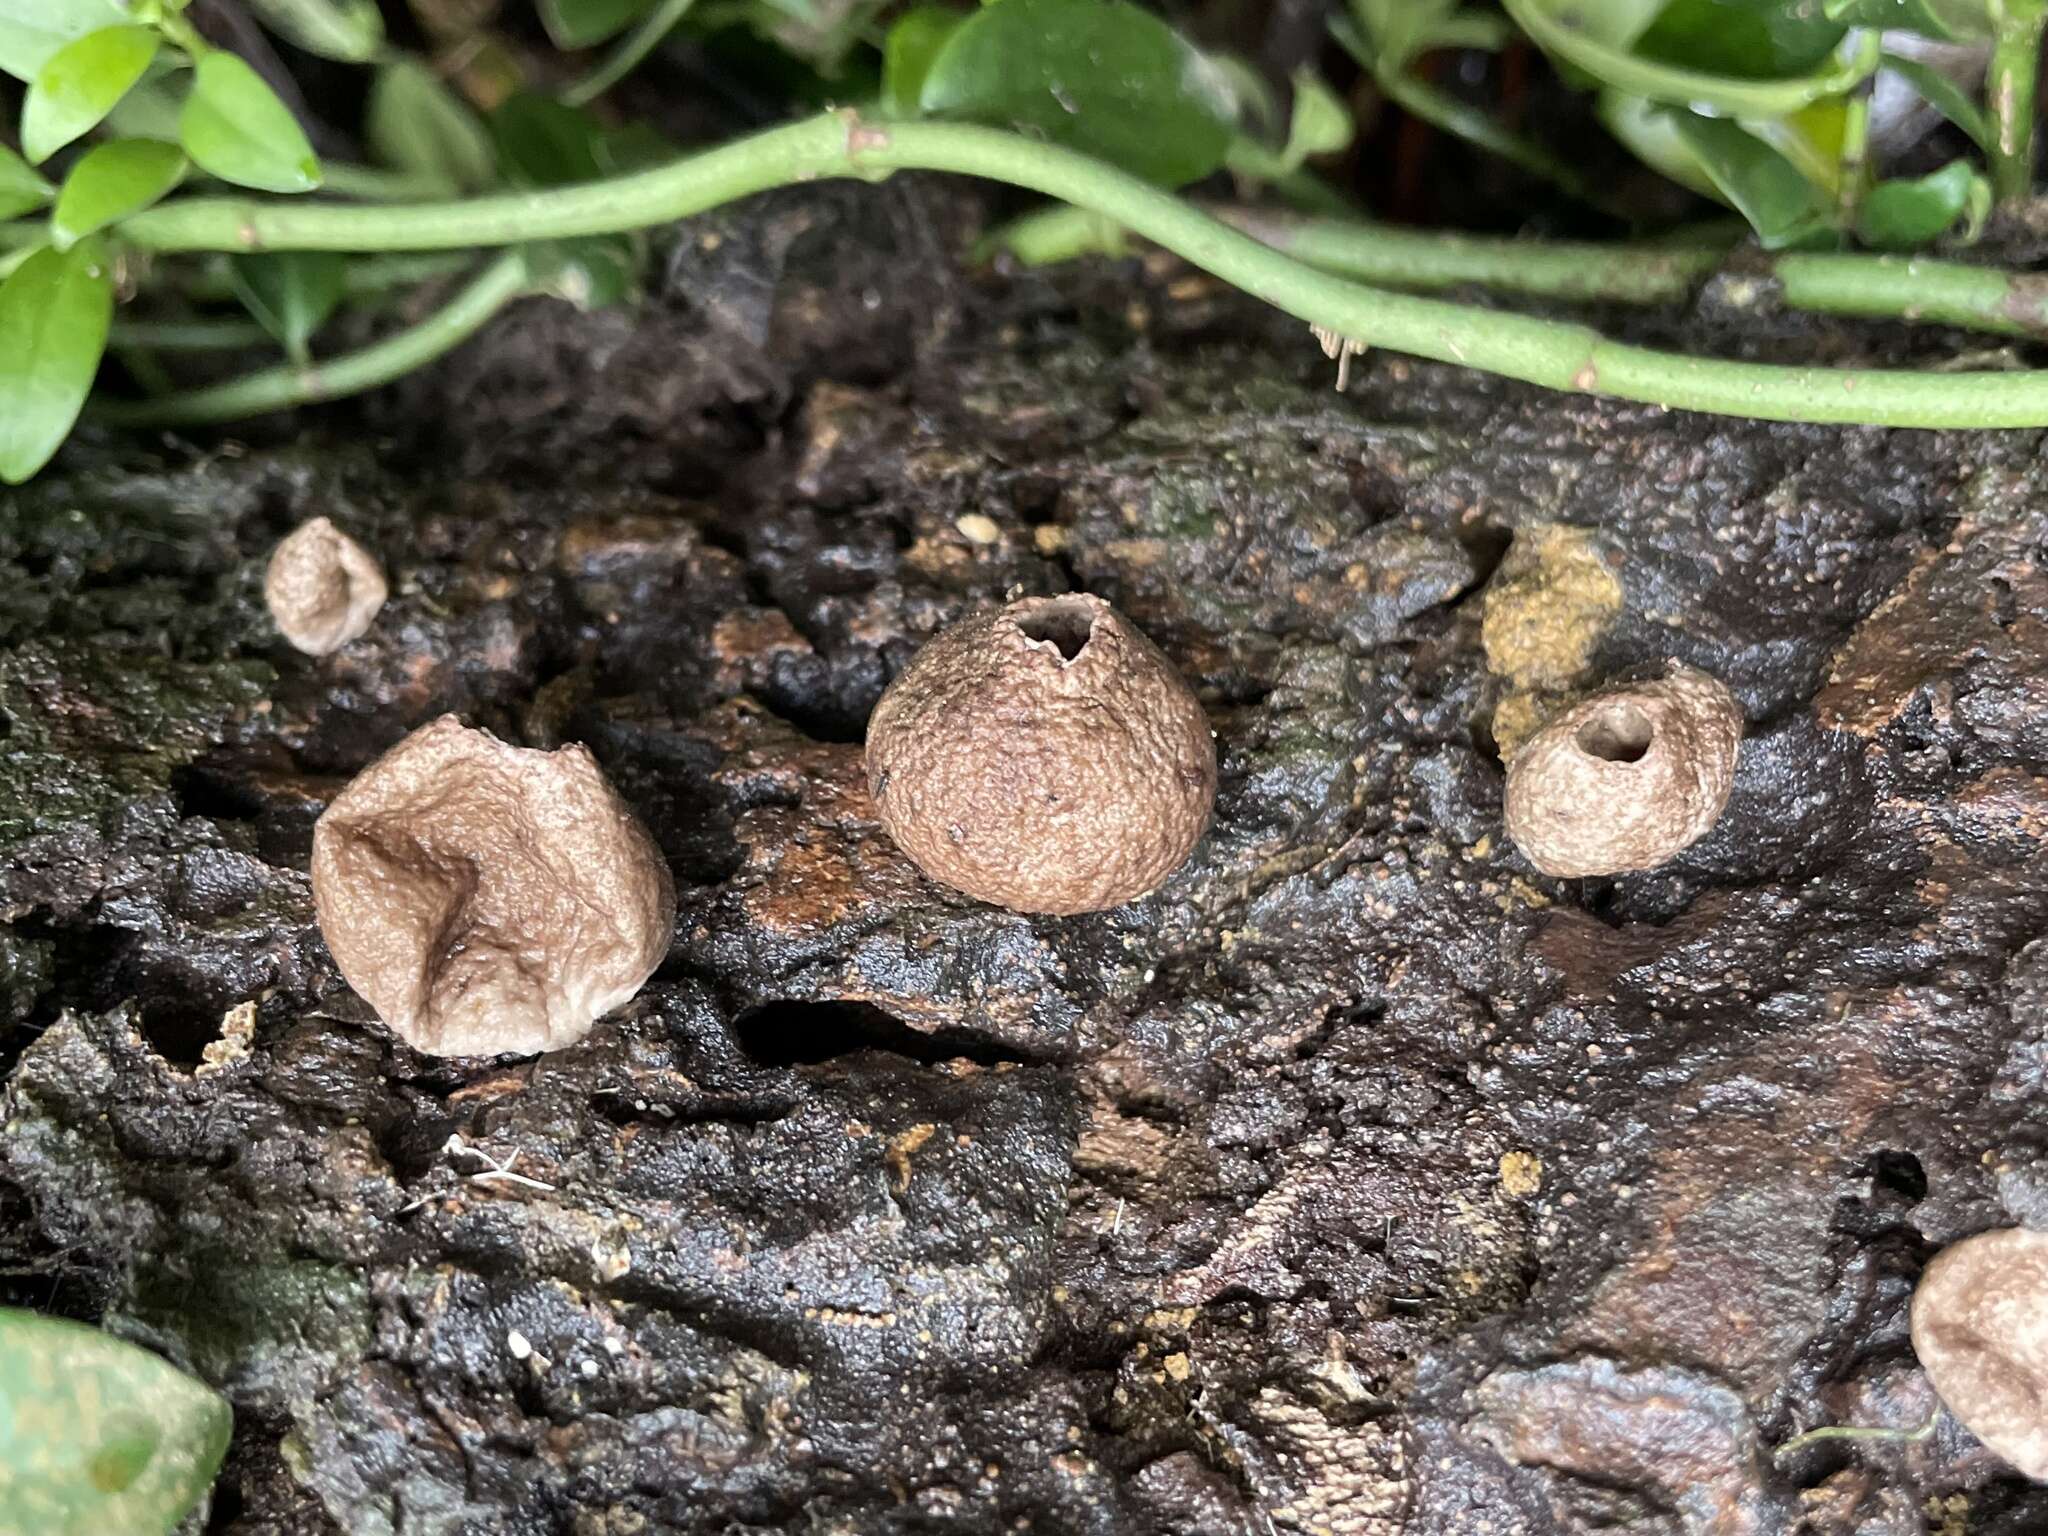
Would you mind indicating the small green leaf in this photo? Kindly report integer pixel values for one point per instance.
(291, 293)
(1782, 206)
(234, 127)
(32, 30)
(54, 311)
(1904, 215)
(1650, 133)
(1593, 36)
(1100, 76)
(580, 23)
(150, 111)
(913, 43)
(111, 181)
(1748, 39)
(351, 31)
(1608, 23)
(543, 142)
(1258, 104)
(635, 146)
(1319, 125)
(21, 189)
(1953, 21)
(1392, 31)
(1945, 96)
(416, 123)
(105, 1437)
(79, 84)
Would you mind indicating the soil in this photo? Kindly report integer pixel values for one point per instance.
(1361, 1180)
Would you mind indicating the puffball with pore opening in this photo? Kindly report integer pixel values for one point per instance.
(1046, 757)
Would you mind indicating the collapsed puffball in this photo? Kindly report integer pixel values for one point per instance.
(487, 898)
(1980, 1328)
(1626, 779)
(1046, 757)
(322, 587)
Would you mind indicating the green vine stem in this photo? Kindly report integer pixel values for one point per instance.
(189, 335)
(1854, 160)
(629, 52)
(274, 389)
(365, 277)
(1557, 354)
(373, 185)
(1881, 287)
(2010, 89)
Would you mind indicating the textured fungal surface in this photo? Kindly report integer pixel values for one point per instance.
(1627, 779)
(1046, 758)
(1354, 1181)
(323, 588)
(485, 897)
(1980, 1328)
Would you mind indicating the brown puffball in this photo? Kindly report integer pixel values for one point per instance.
(322, 587)
(487, 898)
(1980, 1328)
(1046, 758)
(1626, 779)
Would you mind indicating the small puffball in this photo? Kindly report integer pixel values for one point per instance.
(485, 897)
(1046, 757)
(322, 587)
(1980, 1328)
(1626, 779)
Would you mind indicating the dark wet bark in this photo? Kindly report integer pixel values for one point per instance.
(1361, 1180)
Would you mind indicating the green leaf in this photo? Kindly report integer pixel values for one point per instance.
(1100, 76)
(105, 1437)
(913, 43)
(1945, 96)
(291, 293)
(32, 30)
(1470, 29)
(1319, 125)
(54, 311)
(1948, 20)
(579, 23)
(21, 189)
(1748, 39)
(349, 30)
(1258, 104)
(416, 123)
(79, 84)
(635, 146)
(1609, 23)
(1904, 215)
(111, 181)
(1576, 32)
(1392, 31)
(543, 142)
(234, 127)
(1650, 133)
(150, 111)
(1782, 206)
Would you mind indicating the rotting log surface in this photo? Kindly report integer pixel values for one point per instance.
(1360, 1181)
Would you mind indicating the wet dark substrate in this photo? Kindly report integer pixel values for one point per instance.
(1360, 1181)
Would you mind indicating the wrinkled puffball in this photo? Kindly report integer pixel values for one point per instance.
(323, 589)
(1626, 779)
(1980, 1328)
(486, 898)
(1046, 757)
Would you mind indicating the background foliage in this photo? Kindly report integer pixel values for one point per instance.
(1762, 106)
